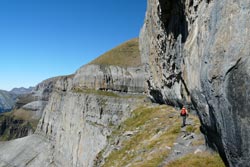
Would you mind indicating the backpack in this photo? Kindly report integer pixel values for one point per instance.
(183, 112)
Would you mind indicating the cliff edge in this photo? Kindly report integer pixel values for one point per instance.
(79, 115)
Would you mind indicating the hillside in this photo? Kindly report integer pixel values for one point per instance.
(21, 90)
(124, 55)
(152, 137)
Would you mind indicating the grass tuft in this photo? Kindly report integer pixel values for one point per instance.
(153, 131)
(195, 160)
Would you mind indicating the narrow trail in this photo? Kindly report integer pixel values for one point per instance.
(186, 143)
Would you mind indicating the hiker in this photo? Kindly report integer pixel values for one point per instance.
(184, 114)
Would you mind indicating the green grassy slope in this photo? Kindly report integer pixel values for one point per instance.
(124, 55)
(148, 137)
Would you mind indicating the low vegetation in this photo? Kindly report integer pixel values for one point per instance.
(108, 93)
(95, 92)
(25, 115)
(148, 137)
(195, 128)
(17, 123)
(154, 130)
(24, 99)
(124, 55)
(196, 160)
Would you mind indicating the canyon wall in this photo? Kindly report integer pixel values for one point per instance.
(79, 116)
(197, 52)
(80, 113)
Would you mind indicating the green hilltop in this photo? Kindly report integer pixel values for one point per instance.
(124, 55)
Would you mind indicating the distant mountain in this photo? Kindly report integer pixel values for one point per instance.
(8, 98)
(7, 101)
(21, 90)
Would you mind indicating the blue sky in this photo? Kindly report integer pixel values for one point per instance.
(45, 38)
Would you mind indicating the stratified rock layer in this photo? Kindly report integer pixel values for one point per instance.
(112, 78)
(198, 51)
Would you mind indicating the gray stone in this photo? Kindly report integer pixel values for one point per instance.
(198, 52)
(128, 133)
(168, 148)
(75, 124)
(177, 152)
(197, 151)
(26, 152)
(114, 78)
(37, 108)
(189, 137)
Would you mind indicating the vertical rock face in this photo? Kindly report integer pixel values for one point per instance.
(38, 99)
(83, 122)
(162, 38)
(198, 51)
(113, 78)
(81, 117)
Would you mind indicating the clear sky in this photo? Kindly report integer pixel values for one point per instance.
(45, 38)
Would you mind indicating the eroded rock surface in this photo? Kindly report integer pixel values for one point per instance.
(114, 78)
(79, 113)
(198, 52)
(28, 151)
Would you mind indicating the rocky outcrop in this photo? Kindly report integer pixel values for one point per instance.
(197, 52)
(36, 101)
(112, 78)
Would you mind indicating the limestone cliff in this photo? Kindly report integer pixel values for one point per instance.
(81, 111)
(110, 78)
(198, 52)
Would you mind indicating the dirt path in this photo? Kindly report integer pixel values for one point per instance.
(186, 143)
